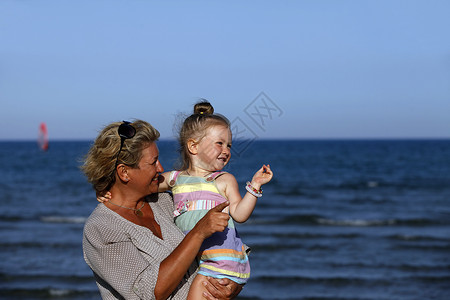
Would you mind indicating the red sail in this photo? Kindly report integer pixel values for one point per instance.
(43, 137)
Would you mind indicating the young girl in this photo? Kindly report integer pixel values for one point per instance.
(205, 141)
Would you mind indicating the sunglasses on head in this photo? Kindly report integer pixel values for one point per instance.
(126, 131)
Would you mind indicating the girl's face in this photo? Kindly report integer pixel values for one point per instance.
(214, 149)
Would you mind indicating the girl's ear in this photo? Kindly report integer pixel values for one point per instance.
(192, 146)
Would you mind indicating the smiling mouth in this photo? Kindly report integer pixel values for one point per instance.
(160, 178)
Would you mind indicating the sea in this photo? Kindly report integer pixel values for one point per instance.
(341, 219)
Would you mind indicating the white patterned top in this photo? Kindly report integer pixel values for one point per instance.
(125, 257)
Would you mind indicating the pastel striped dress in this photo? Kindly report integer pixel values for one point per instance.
(222, 255)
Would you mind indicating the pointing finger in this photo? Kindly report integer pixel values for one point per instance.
(221, 206)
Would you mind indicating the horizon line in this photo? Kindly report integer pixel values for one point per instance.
(257, 139)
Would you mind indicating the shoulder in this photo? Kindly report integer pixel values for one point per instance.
(103, 224)
(225, 177)
(100, 216)
(170, 179)
(167, 175)
(162, 200)
(225, 182)
(164, 184)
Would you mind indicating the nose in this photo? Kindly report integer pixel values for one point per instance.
(159, 167)
(226, 150)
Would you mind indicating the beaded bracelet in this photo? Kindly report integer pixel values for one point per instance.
(253, 191)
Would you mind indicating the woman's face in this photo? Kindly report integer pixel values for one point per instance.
(145, 177)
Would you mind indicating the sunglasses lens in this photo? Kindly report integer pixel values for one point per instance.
(126, 130)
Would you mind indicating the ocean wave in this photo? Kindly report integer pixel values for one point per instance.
(308, 235)
(63, 219)
(293, 219)
(22, 277)
(417, 237)
(46, 293)
(432, 278)
(356, 222)
(325, 279)
(272, 247)
(296, 296)
(388, 222)
(45, 286)
(26, 245)
(300, 235)
(316, 188)
(434, 248)
(4, 218)
(413, 266)
(342, 280)
(60, 292)
(45, 219)
(312, 219)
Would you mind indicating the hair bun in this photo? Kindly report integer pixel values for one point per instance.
(204, 108)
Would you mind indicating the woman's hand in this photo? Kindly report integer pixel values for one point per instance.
(221, 288)
(104, 198)
(173, 268)
(215, 220)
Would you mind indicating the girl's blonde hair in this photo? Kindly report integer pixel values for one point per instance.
(195, 127)
(100, 162)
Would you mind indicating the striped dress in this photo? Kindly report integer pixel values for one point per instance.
(222, 255)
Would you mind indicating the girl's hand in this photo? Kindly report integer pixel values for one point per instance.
(262, 176)
(104, 198)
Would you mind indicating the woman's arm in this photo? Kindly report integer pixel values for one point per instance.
(108, 251)
(175, 266)
(222, 288)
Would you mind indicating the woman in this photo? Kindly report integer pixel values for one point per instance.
(131, 242)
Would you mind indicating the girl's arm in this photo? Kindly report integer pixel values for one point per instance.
(242, 208)
(164, 182)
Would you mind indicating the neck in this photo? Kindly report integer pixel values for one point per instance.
(125, 197)
(193, 171)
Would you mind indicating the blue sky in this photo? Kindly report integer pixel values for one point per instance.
(328, 69)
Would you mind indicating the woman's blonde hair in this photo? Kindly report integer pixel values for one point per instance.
(100, 162)
(195, 127)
